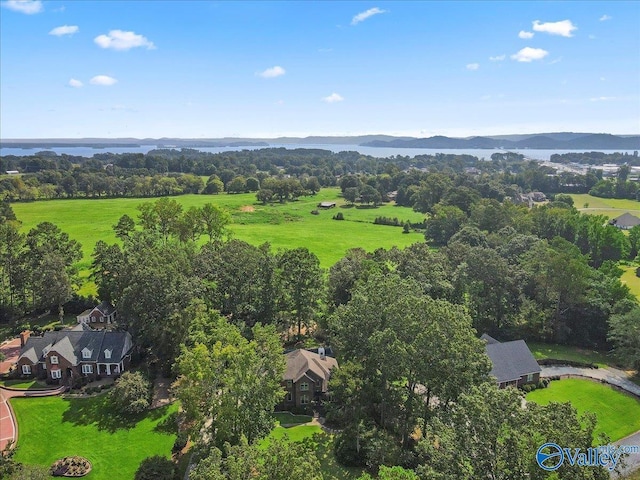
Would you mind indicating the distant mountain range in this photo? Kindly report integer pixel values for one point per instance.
(541, 141)
(545, 141)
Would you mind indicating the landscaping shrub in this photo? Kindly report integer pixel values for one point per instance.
(315, 212)
(58, 327)
(338, 216)
(393, 222)
(156, 468)
(131, 393)
(571, 363)
(181, 442)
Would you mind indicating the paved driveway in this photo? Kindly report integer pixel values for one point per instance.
(610, 375)
(615, 377)
(632, 462)
(11, 350)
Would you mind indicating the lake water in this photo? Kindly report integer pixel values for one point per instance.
(380, 152)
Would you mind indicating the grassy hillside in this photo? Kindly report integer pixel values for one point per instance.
(283, 225)
(609, 207)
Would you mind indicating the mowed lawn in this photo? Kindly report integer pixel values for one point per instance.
(287, 225)
(323, 444)
(567, 352)
(630, 279)
(618, 414)
(53, 427)
(610, 207)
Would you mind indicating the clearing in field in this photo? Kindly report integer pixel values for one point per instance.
(287, 225)
(618, 414)
(609, 207)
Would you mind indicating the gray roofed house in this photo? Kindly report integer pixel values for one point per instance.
(98, 317)
(512, 363)
(307, 375)
(70, 354)
(625, 221)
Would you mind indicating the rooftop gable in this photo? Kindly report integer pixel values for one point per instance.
(299, 362)
(511, 360)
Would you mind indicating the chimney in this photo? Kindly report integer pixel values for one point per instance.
(321, 353)
(24, 336)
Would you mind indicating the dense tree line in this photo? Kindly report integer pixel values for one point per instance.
(37, 269)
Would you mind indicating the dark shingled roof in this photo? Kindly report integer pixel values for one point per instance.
(626, 220)
(71, 343)
(299, 362)
(511, 360)
(106, 308)
(488, 338)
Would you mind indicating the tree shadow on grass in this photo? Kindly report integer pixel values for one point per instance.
(169, 425)
(98, 411)
(323, 445)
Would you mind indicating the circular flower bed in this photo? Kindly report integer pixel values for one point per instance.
(71, 467)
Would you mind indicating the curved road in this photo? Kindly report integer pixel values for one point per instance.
(615, 377)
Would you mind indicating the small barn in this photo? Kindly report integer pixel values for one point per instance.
(625, 221)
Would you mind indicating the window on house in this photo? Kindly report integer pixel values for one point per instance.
(107, 354)
(56, 374)
(530, 377)
(54, 360)
(93, 319)
(304, 400)
(26, 369)
(304, 387)
(86, 369)
(289, 397)
(289, 384)
(44, 365)
(86, 353)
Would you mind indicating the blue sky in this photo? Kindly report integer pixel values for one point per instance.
(209, 69)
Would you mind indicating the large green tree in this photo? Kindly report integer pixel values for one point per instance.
(229, 385)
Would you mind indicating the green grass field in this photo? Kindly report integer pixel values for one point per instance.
(609, 207)
(54, 427)
(323, 444)
(566, 352)
(618, 414)
(24, 384)
(287, 418)
(630, 280)
(287, 225)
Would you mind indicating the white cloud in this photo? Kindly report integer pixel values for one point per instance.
(525, 35)
(75, 83)
(362, 16)
(24, 6)
(557, 60)
(473, 66)
(64, 30)
(498, 58)
(563, 28)
(120, 40)
(333, 98)
(103, 80)
(602, 99)
(592, 37)
(605, 17)
(272, 72)
(528, 54)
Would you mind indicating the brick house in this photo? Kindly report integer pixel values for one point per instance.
(101, 316)
(513, 364)
(70, 354)
(306, 378)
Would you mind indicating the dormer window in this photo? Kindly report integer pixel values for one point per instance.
(107, 354)
(53, 359)
(86, 353)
